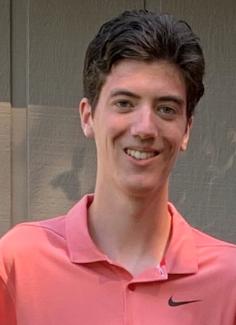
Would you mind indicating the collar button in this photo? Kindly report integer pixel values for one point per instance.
(132, 287)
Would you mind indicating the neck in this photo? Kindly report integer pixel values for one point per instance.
(132, 231)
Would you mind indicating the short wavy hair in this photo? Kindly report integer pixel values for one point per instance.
(145, 36)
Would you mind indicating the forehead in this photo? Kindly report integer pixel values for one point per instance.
(145, 78)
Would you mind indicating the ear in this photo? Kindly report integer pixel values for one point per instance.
(86, 118)
(186, 137)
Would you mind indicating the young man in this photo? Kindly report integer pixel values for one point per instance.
(125, 255)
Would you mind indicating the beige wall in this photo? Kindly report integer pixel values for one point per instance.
(46, 164)
(5, 163)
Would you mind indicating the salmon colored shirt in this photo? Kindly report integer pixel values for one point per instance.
(51, 273)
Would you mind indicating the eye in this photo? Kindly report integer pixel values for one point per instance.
(124, 105)
(167, 112)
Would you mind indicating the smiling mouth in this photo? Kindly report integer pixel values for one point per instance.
(141, 155)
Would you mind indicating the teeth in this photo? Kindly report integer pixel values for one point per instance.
(140, 154)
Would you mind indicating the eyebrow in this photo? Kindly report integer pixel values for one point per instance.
(123, 92)
(172, 98)
(168, 98)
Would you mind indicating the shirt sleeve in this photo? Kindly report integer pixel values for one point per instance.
(7, 308)
(7, 303)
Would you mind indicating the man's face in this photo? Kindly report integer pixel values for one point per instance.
(139, 126)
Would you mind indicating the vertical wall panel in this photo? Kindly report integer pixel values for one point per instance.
(5, 171)
(19, 52)
(19, 199)
(5, 117)
(203, 185)
(19, 101)
(5, 50)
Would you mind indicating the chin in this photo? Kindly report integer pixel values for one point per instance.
(143, 189)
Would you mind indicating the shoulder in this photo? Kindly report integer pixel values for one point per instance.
(26, 232)
(213, 256)
(26, 240)
(207, 246)
(215, 253)
(204, 240)
(43, 238)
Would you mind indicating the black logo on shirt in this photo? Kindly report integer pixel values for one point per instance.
(173, 303)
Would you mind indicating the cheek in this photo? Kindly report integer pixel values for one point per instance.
(174, 138)
(117, 126)
(107, 131)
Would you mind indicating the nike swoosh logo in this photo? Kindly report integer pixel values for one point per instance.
(173, 303)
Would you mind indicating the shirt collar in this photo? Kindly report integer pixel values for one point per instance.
(80, 245)
(180, 257)
(181, 254)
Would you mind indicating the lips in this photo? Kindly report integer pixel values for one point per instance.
(141, 154)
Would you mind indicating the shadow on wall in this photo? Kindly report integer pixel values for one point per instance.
(68, 181)
(61, 161)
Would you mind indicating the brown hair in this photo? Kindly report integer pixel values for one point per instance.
(146, 36)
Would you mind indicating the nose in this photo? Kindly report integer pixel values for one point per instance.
(144, 125)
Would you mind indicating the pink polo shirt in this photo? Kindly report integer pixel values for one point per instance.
(51, 272)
